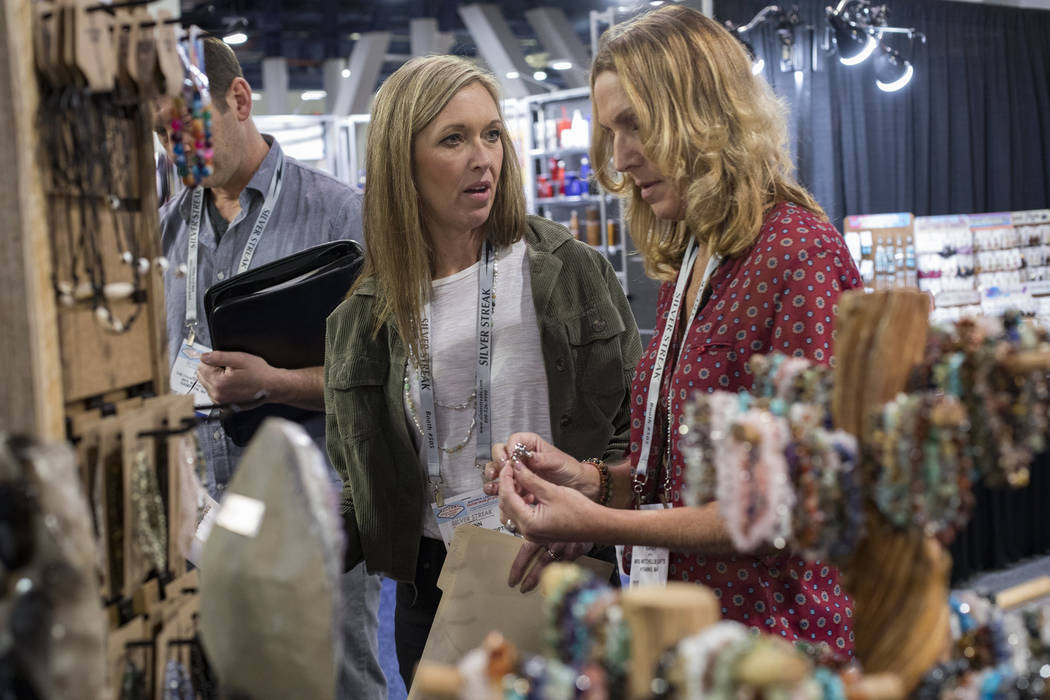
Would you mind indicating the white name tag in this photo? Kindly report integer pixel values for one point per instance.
(471, 508)
(184, 373)
(649, 564)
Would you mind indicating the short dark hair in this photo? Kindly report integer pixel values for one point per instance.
(221, 66)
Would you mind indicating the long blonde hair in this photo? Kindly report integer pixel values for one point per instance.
(707, 124)
(398, 248)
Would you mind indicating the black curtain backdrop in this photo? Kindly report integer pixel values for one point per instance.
(969, 134)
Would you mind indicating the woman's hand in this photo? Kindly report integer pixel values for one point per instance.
(546, 512)
(547, 461)
(538, 556)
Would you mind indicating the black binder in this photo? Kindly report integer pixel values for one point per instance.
(278, 311)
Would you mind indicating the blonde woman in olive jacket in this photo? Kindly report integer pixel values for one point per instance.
(444, 204)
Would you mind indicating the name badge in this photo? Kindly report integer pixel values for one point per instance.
(184, 373)
(471, 508)
(649, 564)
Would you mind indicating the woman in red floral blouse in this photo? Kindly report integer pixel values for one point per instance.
(750, 264)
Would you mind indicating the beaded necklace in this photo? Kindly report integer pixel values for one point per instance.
(470, 403)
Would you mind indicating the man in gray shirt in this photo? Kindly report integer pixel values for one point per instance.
(256, 207)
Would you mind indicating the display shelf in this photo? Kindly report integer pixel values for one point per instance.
(547, 153)
(959, 297)
(545, 116)
(575, 199)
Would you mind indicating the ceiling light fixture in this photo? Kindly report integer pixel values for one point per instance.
(785, 28)
(892, 72)
(235, 39)
(539, 75)
(346, 73)
(562, 65)
(513, 75)
(858, 27)
(309, 95)
(855, 45)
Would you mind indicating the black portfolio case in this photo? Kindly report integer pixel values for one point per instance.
(277, 311)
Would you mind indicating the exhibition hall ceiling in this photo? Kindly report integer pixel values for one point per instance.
(306, 32)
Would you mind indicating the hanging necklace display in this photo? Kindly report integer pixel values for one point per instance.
(90, 101)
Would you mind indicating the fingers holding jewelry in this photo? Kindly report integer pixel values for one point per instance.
(509, 525)
(548, 512)
(490, 478)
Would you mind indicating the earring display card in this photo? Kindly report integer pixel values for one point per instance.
(883, 246)
(985, 264)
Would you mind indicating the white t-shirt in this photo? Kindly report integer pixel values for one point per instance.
(520, 400)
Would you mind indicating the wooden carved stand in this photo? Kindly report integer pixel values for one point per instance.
(898, 581)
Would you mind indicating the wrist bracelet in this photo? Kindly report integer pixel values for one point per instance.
(604, 482)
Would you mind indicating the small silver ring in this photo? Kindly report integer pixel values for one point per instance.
(553, 555)
(511, 527)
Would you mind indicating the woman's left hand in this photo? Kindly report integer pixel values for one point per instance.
(534, 557)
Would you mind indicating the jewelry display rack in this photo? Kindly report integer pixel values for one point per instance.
(83, 308)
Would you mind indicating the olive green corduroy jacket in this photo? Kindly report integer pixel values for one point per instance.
(590, 348)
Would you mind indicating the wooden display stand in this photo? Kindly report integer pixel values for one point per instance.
(32, 388)
(898, 581)
(659, 618)
(67, 376)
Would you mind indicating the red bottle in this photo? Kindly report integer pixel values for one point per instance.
(543, 187)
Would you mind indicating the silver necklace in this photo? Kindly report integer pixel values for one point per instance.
(470, 403)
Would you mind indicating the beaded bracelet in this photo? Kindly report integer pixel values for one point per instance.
(605, 486)
(696, 653)
(753, 481)
(724, 682)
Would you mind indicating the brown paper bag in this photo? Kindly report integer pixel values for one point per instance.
(476, 598)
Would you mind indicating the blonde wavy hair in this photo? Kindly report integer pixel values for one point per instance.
(398, 248)
(707, 123)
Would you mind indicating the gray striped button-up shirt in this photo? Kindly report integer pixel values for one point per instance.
(313, 208)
